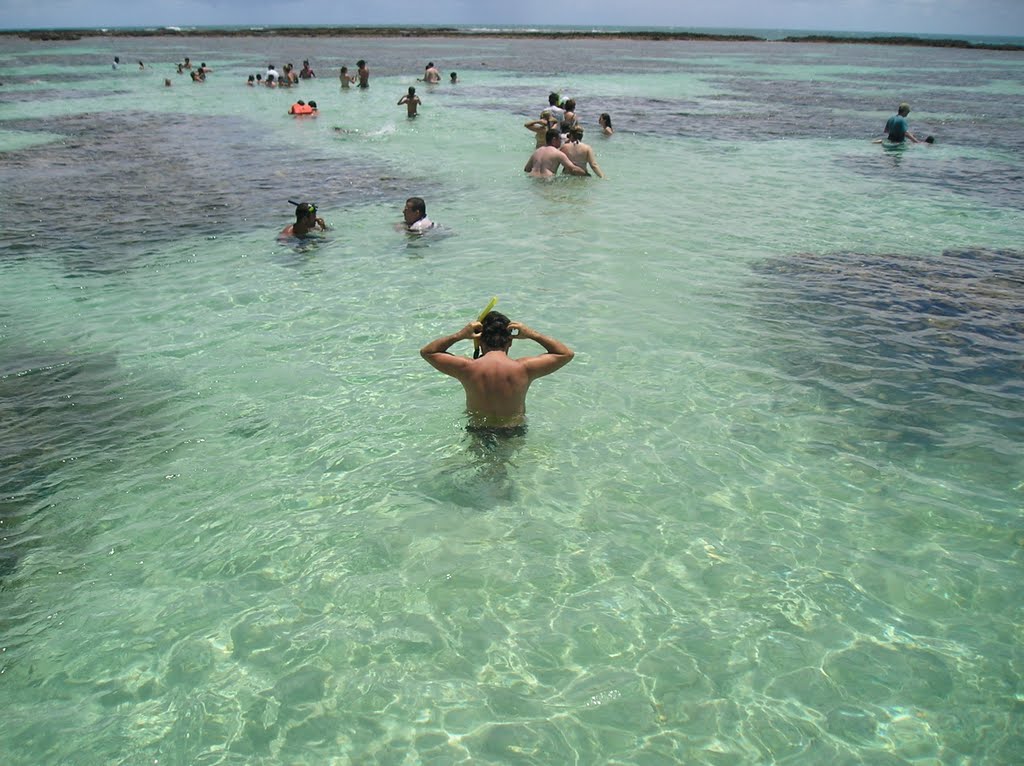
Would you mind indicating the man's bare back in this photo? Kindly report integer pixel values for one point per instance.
(495, 384)
(546, 160)
(582, 155)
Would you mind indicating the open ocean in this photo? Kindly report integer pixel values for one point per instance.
(770, 514)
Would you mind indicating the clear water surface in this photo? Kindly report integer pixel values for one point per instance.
(771, 513)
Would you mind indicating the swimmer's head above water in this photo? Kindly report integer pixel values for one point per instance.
(495, 335)
(304, 210)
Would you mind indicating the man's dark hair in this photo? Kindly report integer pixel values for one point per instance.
(551, 135)
(418, 205)
(496, 334)
(304, 209)
(553, 99)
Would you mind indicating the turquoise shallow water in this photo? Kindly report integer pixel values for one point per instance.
(771, 513)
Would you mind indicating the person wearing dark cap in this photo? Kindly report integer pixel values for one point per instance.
(495, 384)
(306, 221)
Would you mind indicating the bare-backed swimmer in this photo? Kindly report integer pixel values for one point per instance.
(495, 384)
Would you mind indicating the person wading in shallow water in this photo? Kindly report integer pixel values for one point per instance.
(495, 384)
(544, 162)
(306, 221)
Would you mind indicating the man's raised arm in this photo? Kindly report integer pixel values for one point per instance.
(558, 354)
(436, 352)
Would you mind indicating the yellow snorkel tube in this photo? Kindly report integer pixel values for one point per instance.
(485, 312)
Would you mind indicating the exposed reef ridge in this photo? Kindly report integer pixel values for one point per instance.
(902, 40)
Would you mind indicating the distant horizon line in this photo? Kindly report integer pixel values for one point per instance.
(552, 31)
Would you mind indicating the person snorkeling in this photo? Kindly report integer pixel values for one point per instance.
(306, 221)
(496, 384)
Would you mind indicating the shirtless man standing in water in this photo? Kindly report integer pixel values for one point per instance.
(496, 384)
(544, 162)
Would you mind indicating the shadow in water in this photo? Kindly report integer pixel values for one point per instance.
(484, 476)
(62, 418)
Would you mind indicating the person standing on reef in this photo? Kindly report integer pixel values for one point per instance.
(411, 101)
(307, 71)
(364, 74)
(605, 121)
(431, 76)
(345, 77)
(495, 384)
(117, 62)
(896, 128)
(306, 221)
(544, 162)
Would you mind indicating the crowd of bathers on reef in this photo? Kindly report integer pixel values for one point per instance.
(558, 131)
(495, 384)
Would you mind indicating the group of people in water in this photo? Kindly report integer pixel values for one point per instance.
(560, 141)
(494, 383)
(283, 79)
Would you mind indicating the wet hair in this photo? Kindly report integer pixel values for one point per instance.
(551, 135)
(312, 104)
(304, 209)
(418, 204)
(553, 99)
(412, 91)
(360, 63)
(496, 334)
(454, 75)
(607, 119)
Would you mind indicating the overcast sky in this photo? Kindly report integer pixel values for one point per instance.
(950, 17)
